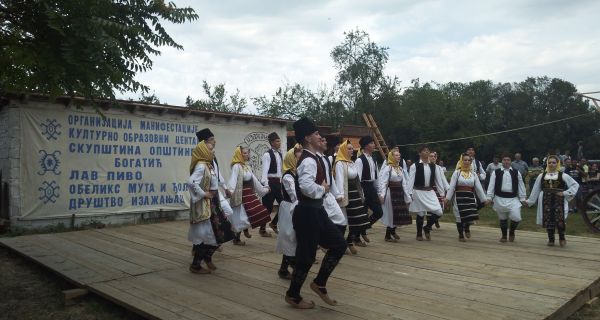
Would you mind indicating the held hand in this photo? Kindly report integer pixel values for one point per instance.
(227, 193)
(524, 203)
(487, 202)
(209, 195)
(446, 201)
(340, 200)
(326, 186)
(560, 194)
(381, 199)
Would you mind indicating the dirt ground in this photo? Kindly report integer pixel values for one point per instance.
(28, 291)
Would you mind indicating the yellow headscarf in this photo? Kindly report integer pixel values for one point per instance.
(238, 157)
(201, 153)
(289, 161)
(465, 170)
(390, 159)
(342, 154)
(557, 162)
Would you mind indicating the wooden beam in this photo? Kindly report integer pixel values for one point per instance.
(71, 295)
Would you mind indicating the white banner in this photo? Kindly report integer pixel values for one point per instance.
(78, 162)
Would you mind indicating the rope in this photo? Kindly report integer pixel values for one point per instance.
(497, 132)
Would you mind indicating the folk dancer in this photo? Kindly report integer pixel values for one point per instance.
(422, 176)
(330, 202)
(348, 183)
(393, 196)
(433, 157)
(464, 184)
(507, 191)
(209, 227)
(248, 211)
(311, 223)
(271, 176)
(286, 238)
(368, 174)
(552, 192)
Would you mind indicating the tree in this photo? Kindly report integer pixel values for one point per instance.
(293, 101)
(217, 100)
(82, 47)
(360, 64)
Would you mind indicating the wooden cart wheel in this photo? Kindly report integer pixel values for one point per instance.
(590, 210)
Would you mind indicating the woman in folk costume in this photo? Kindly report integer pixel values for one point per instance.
(209, 227)
(248, 211)
(463, 187)
(286, 238)
(348, 183)
(394, 200)
(552, 191)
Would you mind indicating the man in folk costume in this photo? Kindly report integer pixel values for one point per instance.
(507, 190)
(330, 201)
(421, 178)
(209, 227)
(207, 136)
(433, 157)
(271, 175)
(311, 223)
(368, 173)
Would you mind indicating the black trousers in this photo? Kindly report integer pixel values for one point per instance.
(372, 201)
(314, 228)
(276, 193)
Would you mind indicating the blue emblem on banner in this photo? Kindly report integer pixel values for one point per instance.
(50, 129)
(49, 191)
(49, 162)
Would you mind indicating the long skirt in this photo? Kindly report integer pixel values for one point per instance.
(553, 209)
(467, 205)
(256, 211)
(213, 231)
(358, 218)
(400, 215)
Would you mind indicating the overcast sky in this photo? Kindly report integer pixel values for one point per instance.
(257, 46)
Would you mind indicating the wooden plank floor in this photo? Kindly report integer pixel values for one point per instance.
(144, 268)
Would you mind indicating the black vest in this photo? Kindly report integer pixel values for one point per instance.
(366, 171)
(514, 175)
(325, 162)
(319, 178)
(420, 175)
(273, 165)
(286, 196)
(551, 184)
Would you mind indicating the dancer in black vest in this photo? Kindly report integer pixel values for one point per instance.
(507, 190)
(368, 173)
(421, 178)
(271, 175)
(311, 223)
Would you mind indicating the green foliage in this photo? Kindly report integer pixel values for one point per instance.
(360, 64)
(295, 101)
(217, 100)
(90, 48)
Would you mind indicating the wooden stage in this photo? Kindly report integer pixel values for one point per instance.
(145, 268)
